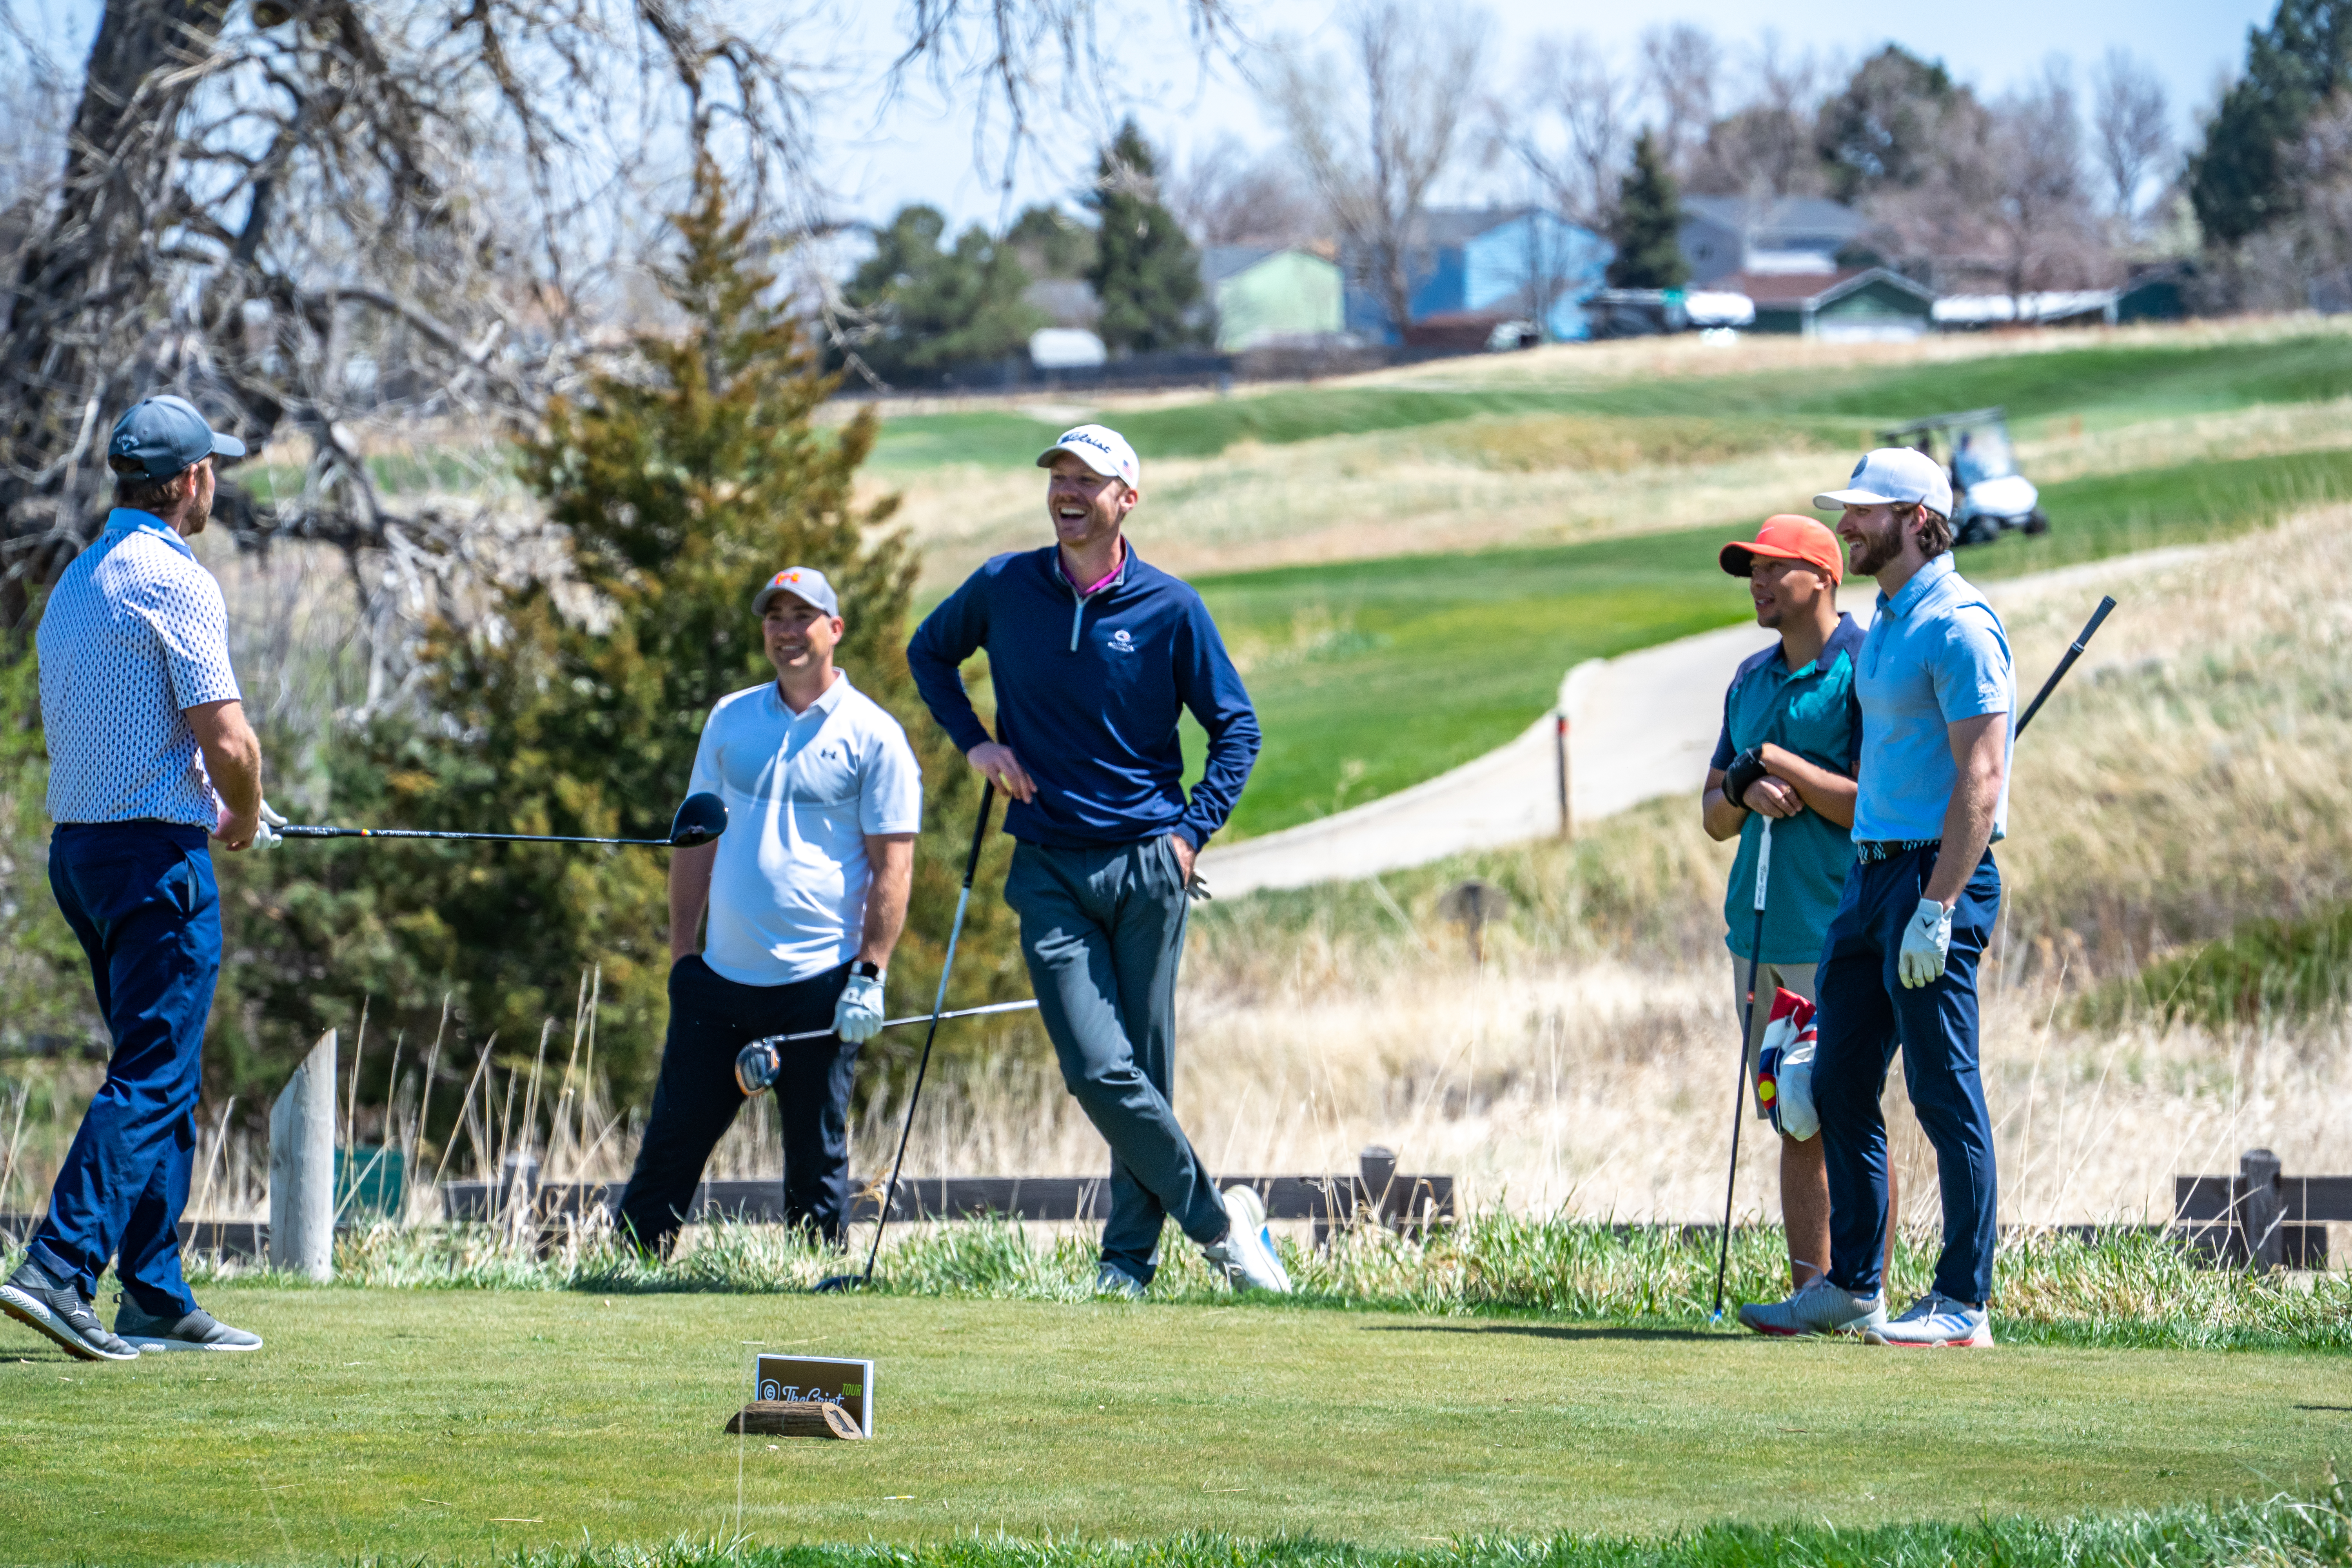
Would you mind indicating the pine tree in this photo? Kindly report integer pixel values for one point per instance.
(1145, 272)
(931, 309)
(1648, 227)
(681, 484)
(2238, 181)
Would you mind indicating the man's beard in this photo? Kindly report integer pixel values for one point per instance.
(200, 513)
(1878, 547)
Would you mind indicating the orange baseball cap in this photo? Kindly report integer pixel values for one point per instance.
(1787, 537)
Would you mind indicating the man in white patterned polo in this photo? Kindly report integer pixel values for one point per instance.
(149, 755)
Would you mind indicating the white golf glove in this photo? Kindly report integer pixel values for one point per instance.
(267, 837)
(1925, 942)
(858, 1016)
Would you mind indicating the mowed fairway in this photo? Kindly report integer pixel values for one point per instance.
(464, 1425)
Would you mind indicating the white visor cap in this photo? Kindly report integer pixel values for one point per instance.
(1101, 448)
(1892, 476)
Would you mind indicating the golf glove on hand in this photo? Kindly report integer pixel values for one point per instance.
(1741, 776)
(756, 1066)
(858, 1016)
(271, 820)
(1926, 941)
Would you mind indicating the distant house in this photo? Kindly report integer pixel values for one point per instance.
(1270, 297)
(1725, 234)
(1478, 270)
(1860, 304)
(2048, 308)
(1063, 302)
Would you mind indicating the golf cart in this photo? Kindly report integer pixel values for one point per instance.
(1988, 495)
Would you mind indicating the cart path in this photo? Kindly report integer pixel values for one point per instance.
(1640, 726)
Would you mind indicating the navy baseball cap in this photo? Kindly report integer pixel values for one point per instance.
(163, 436)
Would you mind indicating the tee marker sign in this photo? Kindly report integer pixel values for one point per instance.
(849, 1383)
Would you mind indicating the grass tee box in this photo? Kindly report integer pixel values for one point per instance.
(457, 1424)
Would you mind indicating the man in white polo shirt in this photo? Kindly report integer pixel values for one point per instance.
(149, 755)
(806, 891)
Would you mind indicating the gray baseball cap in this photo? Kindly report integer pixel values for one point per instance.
(801, 583)
(162, 437)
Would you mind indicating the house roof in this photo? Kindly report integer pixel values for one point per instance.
(1219, 262)
(1453, 226)
(1802, 290)
(1776, 219)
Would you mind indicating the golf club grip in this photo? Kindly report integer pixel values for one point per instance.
(2074, 651)
(978, 834)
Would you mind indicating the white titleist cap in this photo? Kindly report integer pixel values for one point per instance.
(1101, 448)
(802, 583)
(1896, 475)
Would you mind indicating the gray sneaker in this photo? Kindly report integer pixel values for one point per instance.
(41, 1304)
(1820, 1308)
(199, 1330)
(1112, 1280)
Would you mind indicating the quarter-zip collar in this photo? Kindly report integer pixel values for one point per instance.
(1080, 596)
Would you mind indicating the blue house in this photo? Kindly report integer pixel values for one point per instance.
(1479, 268)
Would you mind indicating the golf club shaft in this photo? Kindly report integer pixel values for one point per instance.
(2090, 630)
(902, 1023)
(939, 1006)
(476, 838)
(1746, 1031)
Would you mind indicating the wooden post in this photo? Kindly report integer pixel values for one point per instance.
(1378, 1168)
(2261, 1209)
(302, 1167)
(1560, 749)
(795, 1418)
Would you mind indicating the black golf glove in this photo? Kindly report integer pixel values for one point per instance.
(1745, 770)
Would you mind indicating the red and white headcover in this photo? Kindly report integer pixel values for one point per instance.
(1784, 1067)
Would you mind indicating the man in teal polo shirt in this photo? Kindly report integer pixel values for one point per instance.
(1791, 739)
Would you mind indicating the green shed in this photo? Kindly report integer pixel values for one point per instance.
(1271, 298)
(1861, 304)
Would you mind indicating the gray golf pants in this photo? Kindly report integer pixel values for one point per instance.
(1103, 929)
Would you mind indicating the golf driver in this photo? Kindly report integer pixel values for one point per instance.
(938, 1011)
(757, 1064)
(2074, 652)
(1740, 1080)
(702, 818)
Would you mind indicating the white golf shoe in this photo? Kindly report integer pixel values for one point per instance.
(1820, 1308)
(1933, 1320)
(1246, 1253)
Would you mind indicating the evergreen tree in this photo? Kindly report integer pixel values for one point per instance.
(1648, 226)
(930, 308)
(681, 483)
(1051, 243)
(2238, 181)
(1145, 272)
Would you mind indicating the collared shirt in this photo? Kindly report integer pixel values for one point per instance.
(802, 790)
(134, 633)
(1935, 655)
(1810, 711)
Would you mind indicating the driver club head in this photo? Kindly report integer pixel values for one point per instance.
(834, 1284)
(702, 818)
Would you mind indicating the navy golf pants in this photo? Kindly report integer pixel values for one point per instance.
(1865, 1012)
(711, 1018)
(141, 898)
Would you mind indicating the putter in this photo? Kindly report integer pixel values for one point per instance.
(2074, 652)
(702, 818)
(939, 1010)
(1739, 1081)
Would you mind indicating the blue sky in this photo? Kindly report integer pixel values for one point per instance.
(922, 148)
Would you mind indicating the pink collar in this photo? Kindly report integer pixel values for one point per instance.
(1091, 590)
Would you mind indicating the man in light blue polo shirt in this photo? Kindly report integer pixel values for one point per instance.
(1899, 966)
(149, 755)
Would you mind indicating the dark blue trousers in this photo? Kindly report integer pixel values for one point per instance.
(140, 896)
(712, 1017)
(1865, 1012)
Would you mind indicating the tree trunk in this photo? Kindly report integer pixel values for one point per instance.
(83, 301)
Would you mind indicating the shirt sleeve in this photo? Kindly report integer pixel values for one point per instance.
(706, 779)
(1210, 687)
(191, 621)
(890, 789)
(1971, 670)
(1721, 760)
(949, 634)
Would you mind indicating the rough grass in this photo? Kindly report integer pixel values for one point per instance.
(2264, 969)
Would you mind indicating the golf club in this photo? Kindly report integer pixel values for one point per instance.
(2074, 652)
(1739, 1079)
(755, 1064)
(702, 818)
(939, 1010)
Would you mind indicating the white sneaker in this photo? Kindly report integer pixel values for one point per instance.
(1246, 1254)
(1820, 1308)
(1935, 1319)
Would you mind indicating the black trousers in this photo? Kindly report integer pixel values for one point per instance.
(695, 1099)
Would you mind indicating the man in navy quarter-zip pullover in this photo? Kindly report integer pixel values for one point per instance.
(1093, 656)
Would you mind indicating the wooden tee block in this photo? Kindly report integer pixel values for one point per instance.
(794, 1418)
